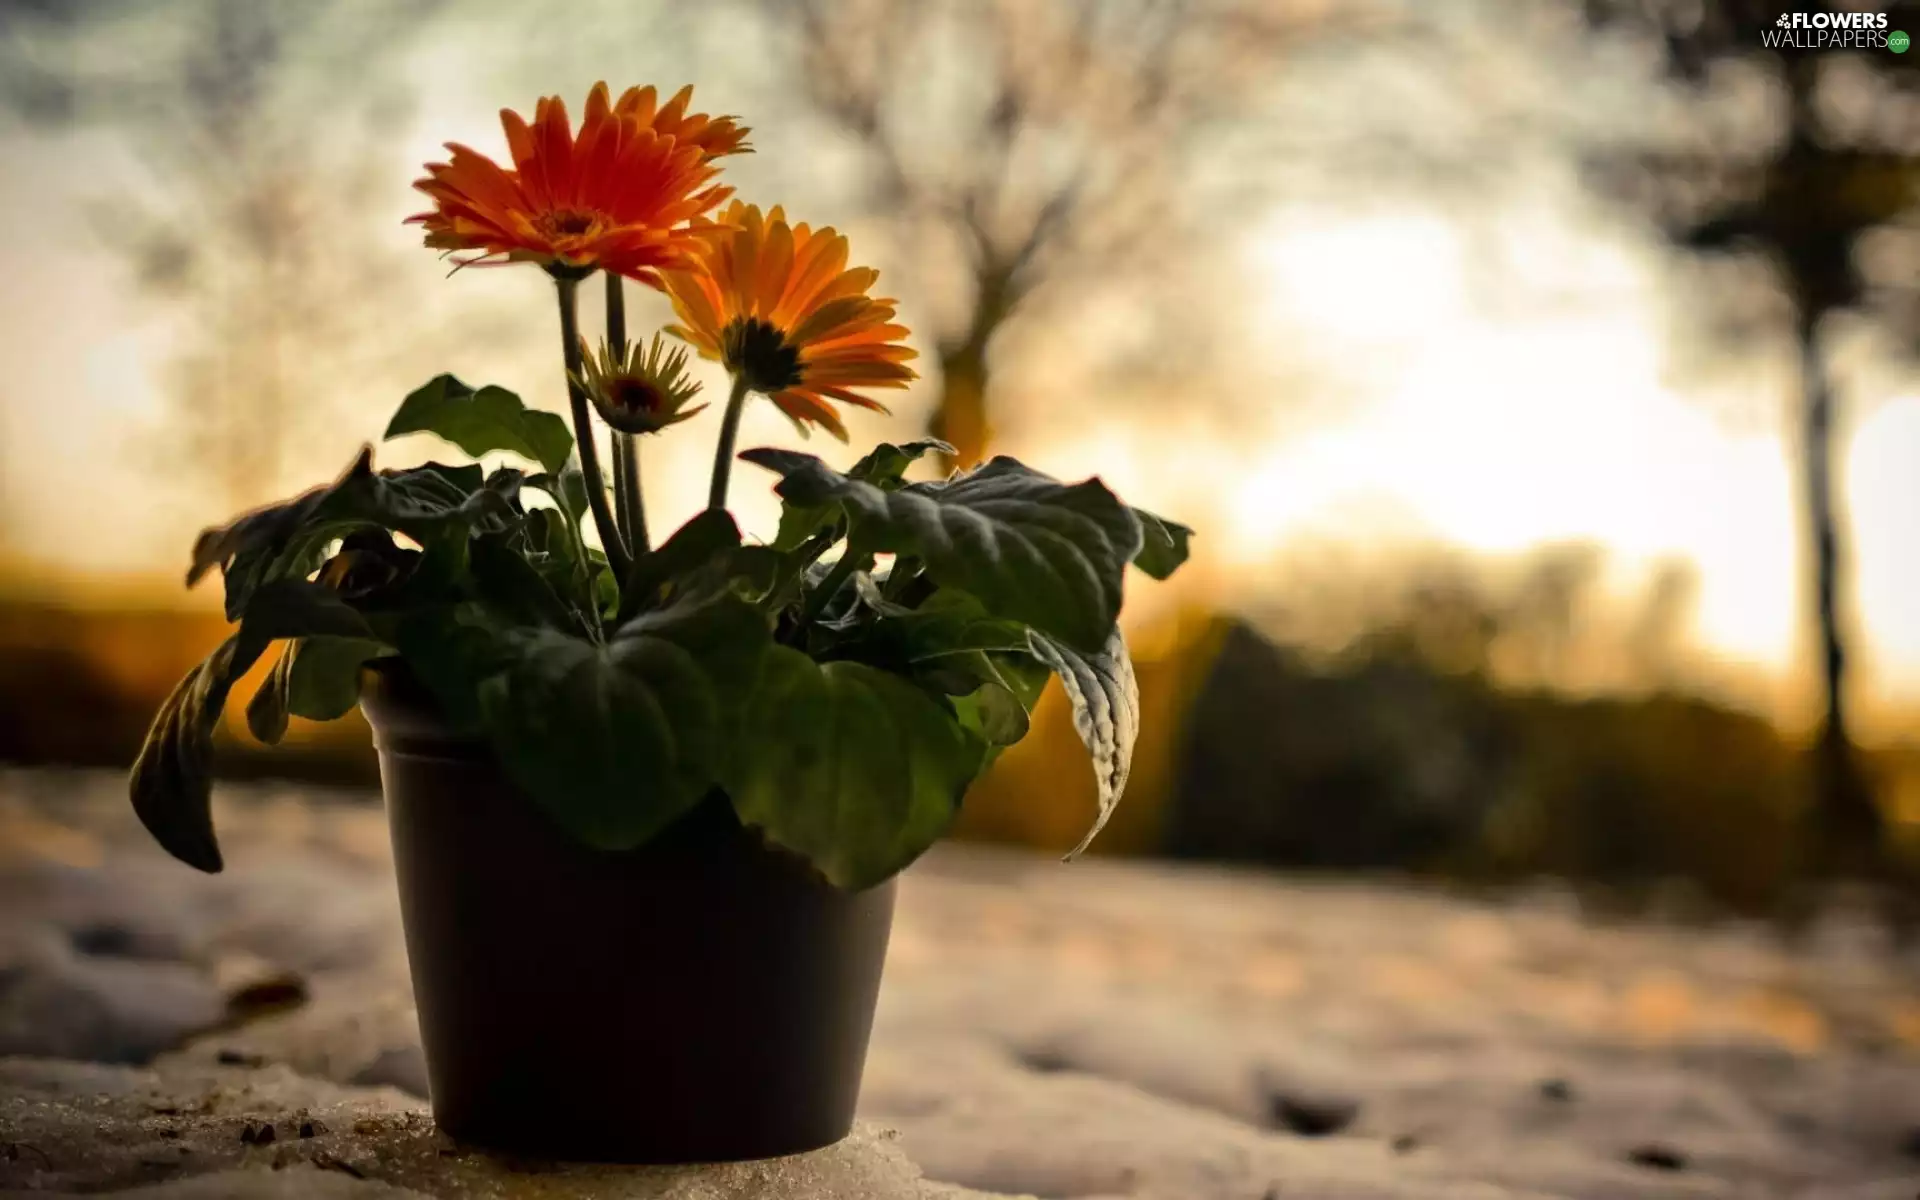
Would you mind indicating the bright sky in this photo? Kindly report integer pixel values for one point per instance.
(1548, 414)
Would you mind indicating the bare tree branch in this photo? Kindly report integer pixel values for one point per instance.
(1073, 146)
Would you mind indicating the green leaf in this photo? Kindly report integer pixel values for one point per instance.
(606, 590)
(324, 682)
(315, 677)
(171, 783)
(1163, 544)
(294, 608)
(994, 712)
(854, 767)
(453, 651)
(1032, 549)
(510, 584)
(1024, 675)
(800, 523)
(948, 622)
(759, 570)
(705, 541)
(482, 422)
(786, 571)
(568, 489)
(885, 467)
(276, 536)
(886, 464)
(1106, 714)
(616, 741)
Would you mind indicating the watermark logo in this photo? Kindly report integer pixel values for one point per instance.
(1833, 31)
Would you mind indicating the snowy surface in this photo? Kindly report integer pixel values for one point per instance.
(1100, 1030)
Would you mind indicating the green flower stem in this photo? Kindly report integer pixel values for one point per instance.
(603, 519)
(831, 585)
(905, 568)
(617, 315)
(729, 433)
(627, 497)
(626, 448)
(622, 516)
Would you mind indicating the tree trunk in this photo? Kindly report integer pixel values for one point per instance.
(1845, 821)
(960, 420)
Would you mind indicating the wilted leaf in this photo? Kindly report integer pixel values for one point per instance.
(267, 711)
(288, 540)
(1106, 714)
(171, 782)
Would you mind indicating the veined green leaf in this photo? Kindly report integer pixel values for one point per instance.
(854, 767)
(616, 741)
(481, 422)
(1032, 549)
(948, 622)
(885, 466)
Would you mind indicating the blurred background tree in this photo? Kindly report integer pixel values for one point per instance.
(1045, 143)
(1823, 192)
(250, 223)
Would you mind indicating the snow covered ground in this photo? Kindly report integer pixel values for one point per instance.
(1106, 1029)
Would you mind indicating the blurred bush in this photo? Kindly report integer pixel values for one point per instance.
(1392, 762)
(79, 684)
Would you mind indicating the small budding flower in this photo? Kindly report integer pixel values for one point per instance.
(645, 392)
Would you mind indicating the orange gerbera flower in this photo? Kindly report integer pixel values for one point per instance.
(716, 136)
(780, 308)
(619, 195)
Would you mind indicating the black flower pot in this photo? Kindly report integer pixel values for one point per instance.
(702, 998)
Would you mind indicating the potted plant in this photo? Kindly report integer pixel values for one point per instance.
(648, 800)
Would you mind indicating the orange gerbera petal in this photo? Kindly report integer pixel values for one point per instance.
(777, 304)
(806, 408)
(622, 194)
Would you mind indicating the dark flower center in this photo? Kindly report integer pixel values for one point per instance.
(565, 222)
(634, 395)
(761, 354)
